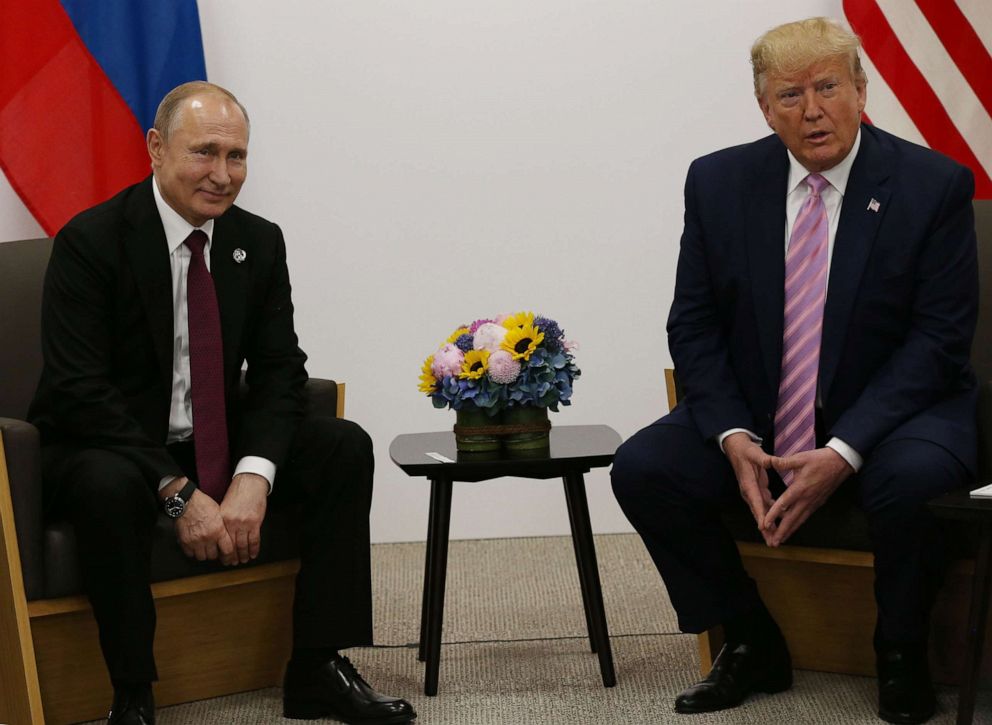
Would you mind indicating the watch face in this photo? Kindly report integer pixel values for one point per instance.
(174, 507)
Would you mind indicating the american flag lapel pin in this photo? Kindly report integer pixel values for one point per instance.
(873, 205)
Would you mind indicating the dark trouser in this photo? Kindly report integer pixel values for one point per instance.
(672, 485)
(328, 475)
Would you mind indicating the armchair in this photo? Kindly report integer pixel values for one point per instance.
(51, 670)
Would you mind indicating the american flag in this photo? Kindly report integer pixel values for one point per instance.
(930, 75)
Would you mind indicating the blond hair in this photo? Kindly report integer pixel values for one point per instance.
(793, 47)
(167, 115)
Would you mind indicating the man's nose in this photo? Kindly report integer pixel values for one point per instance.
(219, 173)
(812, 110)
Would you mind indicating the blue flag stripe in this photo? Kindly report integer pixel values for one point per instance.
(146, 47)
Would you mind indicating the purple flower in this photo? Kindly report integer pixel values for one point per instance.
(553, 333)
(476, 325)
(464, 342)
(503, 368)
(447, 361)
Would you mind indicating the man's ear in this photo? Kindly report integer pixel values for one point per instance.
(156, 146)
(765, 110)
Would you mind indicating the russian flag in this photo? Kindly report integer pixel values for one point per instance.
(79, 84)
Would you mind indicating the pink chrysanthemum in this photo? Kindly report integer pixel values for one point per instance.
(476, 325)
(489, 337)
(447, 361)
(503, 368)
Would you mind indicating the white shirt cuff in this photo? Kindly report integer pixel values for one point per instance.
(853, 458)
(720, 438)
(260, 466)
(166, 480)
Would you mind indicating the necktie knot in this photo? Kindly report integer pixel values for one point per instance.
(196, 241)
(815, 182)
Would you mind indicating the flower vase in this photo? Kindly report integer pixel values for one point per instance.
(476, 431)
(526, 431)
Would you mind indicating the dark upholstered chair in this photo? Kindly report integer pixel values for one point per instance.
(819, 585)
(51, 670)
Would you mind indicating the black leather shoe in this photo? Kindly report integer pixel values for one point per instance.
(905, 692)
(132, 706)
(336, 689)
(739, 670)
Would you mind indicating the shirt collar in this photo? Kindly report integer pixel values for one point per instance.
(836, 175)
(176, 228)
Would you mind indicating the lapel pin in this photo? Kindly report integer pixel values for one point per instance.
(240, 255)
(873, 205)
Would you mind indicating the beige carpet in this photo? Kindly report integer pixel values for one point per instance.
(516, 649)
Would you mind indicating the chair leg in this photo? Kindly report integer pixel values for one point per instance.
(575, 491)
(431, 524)
(583, 582)
(978, 614)
(437, 566)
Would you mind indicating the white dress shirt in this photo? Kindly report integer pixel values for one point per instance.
(177, 230)
(833, 198)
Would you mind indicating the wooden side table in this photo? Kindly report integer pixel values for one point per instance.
(573, 452)
(959, 505)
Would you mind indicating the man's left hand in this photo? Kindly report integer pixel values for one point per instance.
(243, 509)
(816, 475)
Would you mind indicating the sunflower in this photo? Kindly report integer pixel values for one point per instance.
(456, 334)
(428, 383)
(522, 341)
(475, 365)
(518, 319)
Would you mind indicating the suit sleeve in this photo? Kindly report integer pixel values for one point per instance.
(76, 331)
(696, 337)
(276, 375)
(934, 354)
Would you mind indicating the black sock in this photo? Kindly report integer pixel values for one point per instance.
(313, 656)
(755, 625)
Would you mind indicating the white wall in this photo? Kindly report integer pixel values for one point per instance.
(437, 161)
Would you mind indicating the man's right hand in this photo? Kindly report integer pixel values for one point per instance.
(750, 464)
(201, 532)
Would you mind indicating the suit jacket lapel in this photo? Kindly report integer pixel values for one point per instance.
(765, 230)
(231, 280)
(148, 253)
(856, 232)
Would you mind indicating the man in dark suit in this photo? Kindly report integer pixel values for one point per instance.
(824, 308)
(153, 302)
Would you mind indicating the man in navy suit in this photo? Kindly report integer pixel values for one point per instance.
(872, 359)
(143, 292)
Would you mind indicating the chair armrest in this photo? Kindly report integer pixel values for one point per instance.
(22, 449)
(322, 397)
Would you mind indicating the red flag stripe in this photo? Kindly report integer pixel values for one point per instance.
(963, 45)
(912, 89)
(67, 139)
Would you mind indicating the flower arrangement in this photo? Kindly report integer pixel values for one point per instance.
(503, 363)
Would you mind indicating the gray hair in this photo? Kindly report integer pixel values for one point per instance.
(167, 115)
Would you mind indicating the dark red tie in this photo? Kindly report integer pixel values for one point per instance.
(206, 367)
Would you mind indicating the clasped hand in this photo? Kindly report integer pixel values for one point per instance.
(816, 475)
(230, 530)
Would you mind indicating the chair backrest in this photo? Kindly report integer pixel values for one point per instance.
(22, 266)
(981, 352)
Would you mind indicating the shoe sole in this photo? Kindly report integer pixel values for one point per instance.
(316, 710)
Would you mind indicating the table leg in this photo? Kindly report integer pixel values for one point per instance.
(977, 616)
(437, 566)
(422, 648)
(583, 583)
(575, 491)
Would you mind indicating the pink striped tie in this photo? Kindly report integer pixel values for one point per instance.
(805, 291)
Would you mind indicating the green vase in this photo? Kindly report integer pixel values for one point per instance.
(534, 439)
(484, 440)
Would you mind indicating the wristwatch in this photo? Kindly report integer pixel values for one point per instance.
(175, 505)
